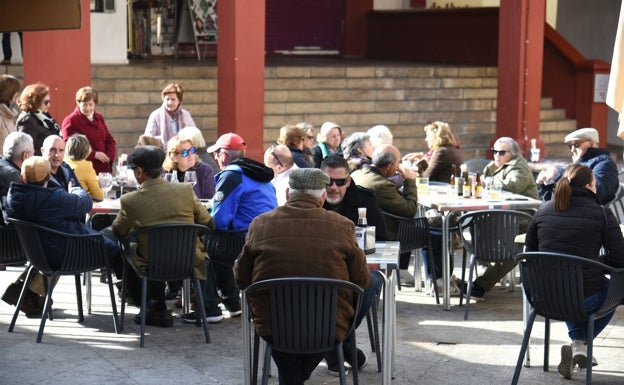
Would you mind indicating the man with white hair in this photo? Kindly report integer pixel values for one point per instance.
(17, 147)
(279, 158)
(584, 148)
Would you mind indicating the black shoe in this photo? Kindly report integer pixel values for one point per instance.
(211, 317)
(234, 309)
(477, 291)
(32, 305)
(156, 318)
(362, 358)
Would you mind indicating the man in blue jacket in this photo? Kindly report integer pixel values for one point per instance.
(243, 191)
(584, 148)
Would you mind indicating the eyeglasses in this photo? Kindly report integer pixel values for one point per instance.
(339, 182)
(576, 145)
(186, 152)
(499, 152)
(46, 102)
(308, 137)
(272, 151)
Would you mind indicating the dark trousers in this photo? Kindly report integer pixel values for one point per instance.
(224, 281)
(294, 369)
(6, 45)
(435, 271)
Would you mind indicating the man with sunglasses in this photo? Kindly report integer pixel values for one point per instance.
(509, 170)
(583, 145)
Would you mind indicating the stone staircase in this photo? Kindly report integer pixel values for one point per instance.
(356, 94)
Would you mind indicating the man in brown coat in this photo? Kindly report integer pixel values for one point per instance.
(303, 239)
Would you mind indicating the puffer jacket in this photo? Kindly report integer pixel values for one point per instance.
(514, 176)
(579, 230)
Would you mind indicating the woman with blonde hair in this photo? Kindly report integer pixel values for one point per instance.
(182, 157)
(437, 163)
(78, 149)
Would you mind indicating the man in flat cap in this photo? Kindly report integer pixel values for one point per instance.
(584, 148)
(155, 202)
(301, 238)
(53, 207)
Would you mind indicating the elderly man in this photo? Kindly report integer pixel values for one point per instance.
(61, 175)
(35, 201)
(510, 171)
(144, 207)
(387, 163)
(279, 159)
(243, 191)
(17, 147)
(289, 235)
(584, 149)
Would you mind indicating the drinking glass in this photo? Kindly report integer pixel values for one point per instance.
(121, 178)
(422, 185)
(190, 177)
(105, 180)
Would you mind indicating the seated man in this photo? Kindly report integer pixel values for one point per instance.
(279, 159)
(55, 208)
(289, 234)
(157, 202)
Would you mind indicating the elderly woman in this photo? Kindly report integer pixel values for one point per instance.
(166, 121)
(34, 118)
(9, 91)
(294, 137)
(329, 139)
(379, 135)
(78, 150)
(182, 157)
(573, 222)
(509, 170)
(357, 150)
(87, 121)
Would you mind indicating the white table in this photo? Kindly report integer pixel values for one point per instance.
(385, 258)
(442, 199)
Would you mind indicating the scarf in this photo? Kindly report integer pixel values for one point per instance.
(47, 120)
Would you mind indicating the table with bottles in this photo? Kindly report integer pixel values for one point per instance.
(446, 199)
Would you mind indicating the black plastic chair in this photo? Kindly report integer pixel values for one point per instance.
(83, 253)
(303, 318)
(11, 252)
(617, 204)
(489, 236)
(413, 234)
(224, 246)
(171, 249)
(553, 286)
(475, 165)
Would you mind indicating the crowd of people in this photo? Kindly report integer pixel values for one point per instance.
(302, 200)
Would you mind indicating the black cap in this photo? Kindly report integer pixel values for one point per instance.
(147, 157)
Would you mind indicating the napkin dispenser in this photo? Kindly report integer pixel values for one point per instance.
(365, 234)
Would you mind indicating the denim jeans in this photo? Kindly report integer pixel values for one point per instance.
(578, 330)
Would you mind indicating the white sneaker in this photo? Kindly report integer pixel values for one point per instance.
(406, 278)
(579, 354)
(454, 289)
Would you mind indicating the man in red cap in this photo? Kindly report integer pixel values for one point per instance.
(243, 191)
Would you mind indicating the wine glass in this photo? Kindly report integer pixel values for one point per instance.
(121, 178)
(190, 177)
(105, 180)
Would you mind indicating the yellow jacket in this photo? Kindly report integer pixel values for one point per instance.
(86, 176)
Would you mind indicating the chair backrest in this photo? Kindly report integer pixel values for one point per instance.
(170, 248)
(412, 233)
(553, 284)
(617, 204)
(490, 234)
(304, 311)
(476, 164)
(11, 252)
(224, 246)
(82, 252)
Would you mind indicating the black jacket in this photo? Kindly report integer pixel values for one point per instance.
(579, 230)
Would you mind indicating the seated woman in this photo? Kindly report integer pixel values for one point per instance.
(147, 140)
(294, 138)
(182, 157)
(357, 150)
(78, 148)
(574, 223)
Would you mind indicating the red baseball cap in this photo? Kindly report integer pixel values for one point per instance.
(229, 141)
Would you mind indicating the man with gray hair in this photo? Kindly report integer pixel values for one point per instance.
(285, 243)
(17, 147)
(509, 170)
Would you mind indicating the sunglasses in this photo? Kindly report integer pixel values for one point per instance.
(499, 152)
(46, 102)
(339, 182)
(186, 153)
(576, 145)
(271, 150)
(310, 138)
